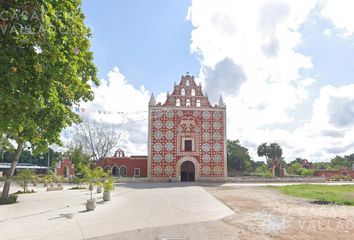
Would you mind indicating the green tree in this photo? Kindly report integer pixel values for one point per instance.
(262, 168)
(78, 157)
(5, 147)
(339, 162)
(306, 172)
(273, 154)
(323, 166)
(295, 168)
(238, 157)
(92, 175)
(46, 67)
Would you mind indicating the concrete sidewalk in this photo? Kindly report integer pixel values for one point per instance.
(134, 206)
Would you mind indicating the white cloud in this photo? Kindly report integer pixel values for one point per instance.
(118, 102)
(324, 137)
(161, 98)
(261, 38)
(248, 52)
(327, 32)
(340, 13)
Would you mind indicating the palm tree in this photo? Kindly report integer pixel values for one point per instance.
(272, 152)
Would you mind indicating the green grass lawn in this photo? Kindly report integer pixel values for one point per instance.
(341, 194)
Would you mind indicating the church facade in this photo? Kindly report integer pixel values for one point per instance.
(186, 135)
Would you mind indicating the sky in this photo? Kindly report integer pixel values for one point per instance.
(284, 68)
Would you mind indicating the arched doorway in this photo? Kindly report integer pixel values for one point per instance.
(66, 171)
(115, 171)
(187, 172)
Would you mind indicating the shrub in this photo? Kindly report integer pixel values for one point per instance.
(41, 178)
(61, 179)
(53, 177)
(339, 178)
(78, 181)
(347, 178)
(108, 185)
(29, 191)
(77, 188)
(306, 172)
(34, 179)
(262, 169)
(23, 178)
(267, 174)
(295, 168)
(10, 200)
(334, 178)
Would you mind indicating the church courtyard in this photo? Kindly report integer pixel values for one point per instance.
(174, 211)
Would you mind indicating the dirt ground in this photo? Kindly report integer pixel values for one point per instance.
(262, 213)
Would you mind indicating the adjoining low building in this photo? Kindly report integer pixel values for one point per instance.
(331, 173)
(123, 166)
(65, 168)
(5, 168)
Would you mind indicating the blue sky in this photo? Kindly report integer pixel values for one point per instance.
(285, 68)
(332, 56)
(148, 40)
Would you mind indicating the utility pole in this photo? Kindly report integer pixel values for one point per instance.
(48, 161)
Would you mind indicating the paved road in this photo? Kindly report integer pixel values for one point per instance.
(174, 211)
(145, 209)
(213, 230)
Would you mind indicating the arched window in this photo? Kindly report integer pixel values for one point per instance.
(198, 103)
(187, 82)
(188, 102)
(178, 102)
(193, 92)
(115, 171)
(123, 171)
(107, 169)
(183, 92)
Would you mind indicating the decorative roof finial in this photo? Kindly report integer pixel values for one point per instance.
(152, 99)
(221, 102)
(187, 73)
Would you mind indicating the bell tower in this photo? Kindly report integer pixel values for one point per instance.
(187, 135)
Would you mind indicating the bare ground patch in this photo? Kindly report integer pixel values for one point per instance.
(262, 213)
